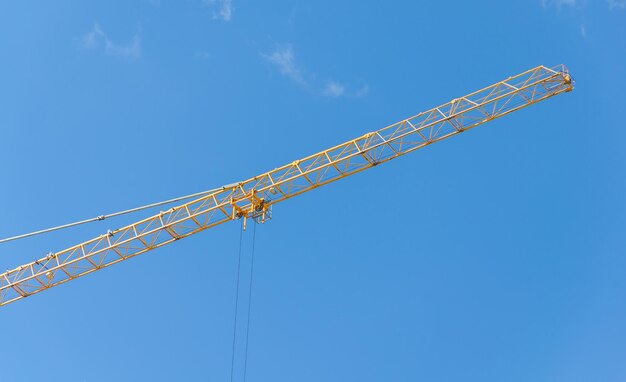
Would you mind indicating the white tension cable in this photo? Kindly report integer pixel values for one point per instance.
(103, 217)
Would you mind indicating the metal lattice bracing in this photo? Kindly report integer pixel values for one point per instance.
(253, 198)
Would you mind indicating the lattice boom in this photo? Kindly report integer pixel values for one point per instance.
(254, 197)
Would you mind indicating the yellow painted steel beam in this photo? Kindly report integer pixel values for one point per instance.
(254, 197)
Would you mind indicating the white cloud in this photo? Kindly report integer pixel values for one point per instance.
(362, 91)
(223, 9)
(583, 31)
(284, 59)
(203, 54)
(620, 4)
(559, 3)
(334, 89)
(96, 37)
(91, 39)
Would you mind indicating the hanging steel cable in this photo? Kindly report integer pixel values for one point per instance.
(245, 363)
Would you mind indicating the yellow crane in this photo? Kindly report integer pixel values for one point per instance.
(254, 197)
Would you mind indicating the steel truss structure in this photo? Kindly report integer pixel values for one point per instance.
(254, 197)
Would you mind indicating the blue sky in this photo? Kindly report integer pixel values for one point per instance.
(497, 255)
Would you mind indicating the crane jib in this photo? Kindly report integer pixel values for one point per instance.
(254, 197)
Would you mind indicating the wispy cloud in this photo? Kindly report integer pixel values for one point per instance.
(577, 8)
(222, 9)
(284, 59)
(613, 4)
(97, 38)
(617, 4)
(334, 89)
(362, 91)
(559, 3)
(203, 54)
